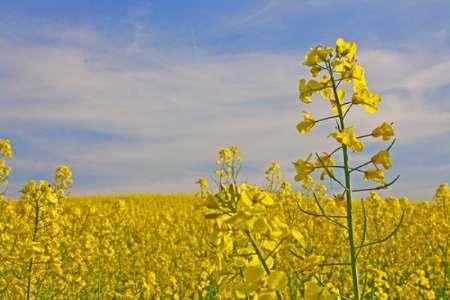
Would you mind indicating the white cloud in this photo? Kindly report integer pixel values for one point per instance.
(181, 109)
(432, 77)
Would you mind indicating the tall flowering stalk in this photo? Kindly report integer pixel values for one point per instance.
(246, 239)
(44, 202)
(338, 66)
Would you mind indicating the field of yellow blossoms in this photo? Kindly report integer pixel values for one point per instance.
(235, 240)
(165, 247)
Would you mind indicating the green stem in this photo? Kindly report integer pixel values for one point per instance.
(348, 192)
(35, 231)
(262, 260)
(326, 118)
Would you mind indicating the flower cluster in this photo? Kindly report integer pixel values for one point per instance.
(5, 152)
(339, 66)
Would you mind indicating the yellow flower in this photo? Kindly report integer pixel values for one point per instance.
(307, 124)
(313, 291)
(314, 85)
(202, 182)
(37, 248)
(305, 94)
(5, 148)
(385, 131)
(327, 94)
(4, 172)
(382, 158)
(341, 96)
(254, 277)
(63, 171)
(277, 280)
(358, 76)
(345, 48)
(273, 168)
(303, 169)
(236, 152)
(317, 55)
(325, 80)
(376, 175)
(367, 99)
(315, 70)
(307, 88)
(347, 137)
(345, 68)
(63, 176)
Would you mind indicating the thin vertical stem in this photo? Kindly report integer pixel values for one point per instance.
(348, 193)
(262, 260)
(35, 231)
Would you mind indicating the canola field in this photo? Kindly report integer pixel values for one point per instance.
(235, 240)
(167, 247)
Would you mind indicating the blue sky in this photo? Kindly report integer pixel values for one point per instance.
(138, 96)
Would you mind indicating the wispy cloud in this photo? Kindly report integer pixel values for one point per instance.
(175, 110)
(271, 12)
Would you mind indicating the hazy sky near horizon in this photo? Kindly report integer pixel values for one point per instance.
(138, 96)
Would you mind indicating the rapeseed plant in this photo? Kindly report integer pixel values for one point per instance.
(339, 66)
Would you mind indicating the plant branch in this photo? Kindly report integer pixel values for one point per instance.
(363, 239)
(326, 118)
(329, 172)
(275, 248)
(397, 227)
(381, 187)
(329, 218)
(262, 260)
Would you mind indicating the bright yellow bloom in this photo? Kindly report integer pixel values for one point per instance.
(63, 171)
(317, 55)
(277, 280)
(306, 89)
(307, 124)
(273, 168)
(376, 175)
(325, 80)
(254, 276)
(341, 96)
(203, 183)
(315, 70)
(347, 49)
(367, 99)
(345, 68)
(382, 158)
(385, 131)
(442, 195)
(5, 148)
(4, 172)
(225, 155)
(303, 168)
(348, 138)
(359, 77)
(361, 93)
(63, 176)
(305, 93)
(327, 94)
(314, 290)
